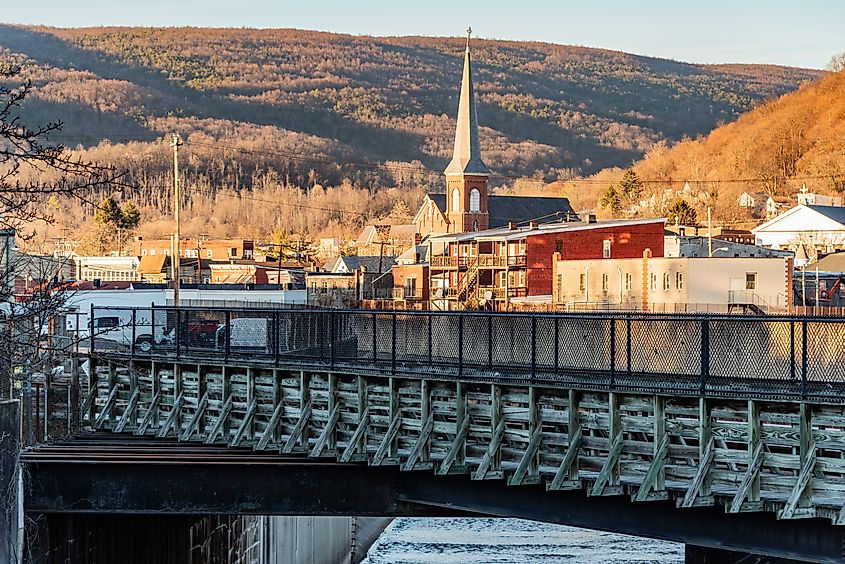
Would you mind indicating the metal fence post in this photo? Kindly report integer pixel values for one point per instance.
(460, 344)
(393, 343)
(490, 341)
(430, 344)
(793, 377)
(612, 353)
(277, 333)
(226, 335)
(557, 346)
(375, 338)
(705, 354)
(533, 348)
(804, 382)
(91, 329)
(132, 344)
(178, 330)
(628, 345)
(332, 337)
(46, 412)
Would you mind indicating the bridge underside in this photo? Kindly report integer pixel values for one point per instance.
(110, 475)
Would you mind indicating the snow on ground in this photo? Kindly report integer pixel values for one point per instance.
(512, 541)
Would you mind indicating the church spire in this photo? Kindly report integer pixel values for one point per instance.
(466, 158)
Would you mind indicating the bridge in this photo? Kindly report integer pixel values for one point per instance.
(717, 431)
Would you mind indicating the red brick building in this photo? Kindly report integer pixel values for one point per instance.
(495, 267)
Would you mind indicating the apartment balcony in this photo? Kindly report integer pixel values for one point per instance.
(403, 293)
(518, 261)
(519, 292)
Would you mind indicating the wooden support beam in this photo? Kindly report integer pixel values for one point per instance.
(458, 445)
(328, 431)
(251, 398)
(521, 476)
(419, 447)
(333, 405)
(270, 430)
(246, 422)
(483, 471)
(354, 442)
(107, 407)
(840, 519)
(746, 486)
(131, 406)
(755, 433)
(797, 494)
(87, 409)
(194, 423)
(607, 470)
(654, 470)
(171, 417)
(299, 430)
(426, 419)
(701, 475)
(563, 477)
(386, 442)
(655, 478)
(177, 393)
(220, 425)
(148, 416)
(395, 415)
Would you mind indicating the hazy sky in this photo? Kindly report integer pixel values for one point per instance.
(804, 33)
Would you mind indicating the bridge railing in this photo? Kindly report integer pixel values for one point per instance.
(704, 354)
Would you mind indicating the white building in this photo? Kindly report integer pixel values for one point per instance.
(674, 284)
(811, 199)
(107, 268)
(817, 228)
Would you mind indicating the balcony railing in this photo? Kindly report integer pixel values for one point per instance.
(405, 293)
(519, 260)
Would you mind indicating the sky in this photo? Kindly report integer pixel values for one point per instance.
(805, 33)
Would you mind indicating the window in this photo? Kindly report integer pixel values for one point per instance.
(411, 286)
(503, 279)
(750, 280)
(559, 246)
(653, 281)
(209, 253)
(605, 252)
(605, 279)
(629, 281)
(474, 200)
(679, 280)
(666, 281)
(456, 200)
(582, 282)
(143, 252)
(152, 252)
(475, 225)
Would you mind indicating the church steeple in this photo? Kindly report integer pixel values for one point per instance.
(466, 158)
(466, 175)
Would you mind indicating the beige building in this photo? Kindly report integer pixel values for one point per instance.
(674, 284)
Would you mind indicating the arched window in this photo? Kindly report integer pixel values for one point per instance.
(475, 225)
(456, 200)
(475, 200)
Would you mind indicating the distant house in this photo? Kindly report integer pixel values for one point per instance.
(775, 205)
(810, 199)
(211, 249)
(385, 239)
(754, 202)
(817, 228)
(348, 264)
(700, 246)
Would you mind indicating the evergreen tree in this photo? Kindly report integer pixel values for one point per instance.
(108, 213)
(631, 185)
(681, 213)
(610, 200)
(130, 217)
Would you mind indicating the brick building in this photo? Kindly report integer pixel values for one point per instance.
(210, 249)
(495, 267)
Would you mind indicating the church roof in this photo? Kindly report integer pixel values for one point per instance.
(519, 209)
(466, 158)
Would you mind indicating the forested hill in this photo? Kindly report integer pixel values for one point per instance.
(546, 110)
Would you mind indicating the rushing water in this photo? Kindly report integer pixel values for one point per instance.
(451, 541)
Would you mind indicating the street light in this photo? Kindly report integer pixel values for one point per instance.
(719, 249)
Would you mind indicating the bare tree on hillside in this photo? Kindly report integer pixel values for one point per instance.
(836, 63)
(32, 171)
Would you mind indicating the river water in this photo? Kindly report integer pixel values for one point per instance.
(452, 541)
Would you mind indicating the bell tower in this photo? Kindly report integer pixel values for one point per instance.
(466, 175)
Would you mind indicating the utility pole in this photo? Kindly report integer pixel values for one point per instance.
(709, 234)
(175, 142)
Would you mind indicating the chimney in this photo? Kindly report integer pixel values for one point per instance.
(591, 218)
(532, 225)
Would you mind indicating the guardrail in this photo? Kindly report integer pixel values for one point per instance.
(695, 354)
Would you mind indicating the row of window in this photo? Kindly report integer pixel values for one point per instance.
(750, 281)
(194, 253)
(474, 200)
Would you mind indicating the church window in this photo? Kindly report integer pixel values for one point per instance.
(456, 200)
(475, 200)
